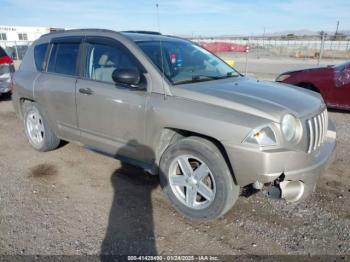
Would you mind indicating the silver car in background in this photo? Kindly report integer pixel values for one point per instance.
(6, 71)
(174, 109)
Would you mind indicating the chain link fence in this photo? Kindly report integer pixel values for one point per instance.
(291, 48)
(258, 47)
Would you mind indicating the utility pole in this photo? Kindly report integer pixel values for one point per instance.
(335, 36)
(336, 31)
(264, 37)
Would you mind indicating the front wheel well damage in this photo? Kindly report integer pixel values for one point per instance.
(172, 135)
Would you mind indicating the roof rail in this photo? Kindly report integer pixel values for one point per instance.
(77, 30)
(142, 32)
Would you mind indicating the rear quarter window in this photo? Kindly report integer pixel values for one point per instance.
(63, 58)
(39, 56)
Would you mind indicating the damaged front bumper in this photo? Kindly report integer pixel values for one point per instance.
(295, 173)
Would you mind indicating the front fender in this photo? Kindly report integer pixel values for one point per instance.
(222, 124)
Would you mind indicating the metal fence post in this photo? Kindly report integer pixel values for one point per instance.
(263, 42)
(321, 49)
(16, 50)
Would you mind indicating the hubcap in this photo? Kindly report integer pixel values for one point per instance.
(192, 181)
(35, 127)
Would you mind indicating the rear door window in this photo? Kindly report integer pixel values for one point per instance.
(39, 56)
(103, 59)
(64, 58)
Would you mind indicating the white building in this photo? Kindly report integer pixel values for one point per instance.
(22, 33)
(16, 39)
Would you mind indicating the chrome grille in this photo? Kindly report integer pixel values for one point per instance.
(317, 127)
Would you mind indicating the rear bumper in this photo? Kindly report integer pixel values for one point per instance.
(5, 81)
(251, 164)
(4, 87)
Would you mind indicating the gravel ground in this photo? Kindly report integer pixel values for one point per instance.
(73, 201)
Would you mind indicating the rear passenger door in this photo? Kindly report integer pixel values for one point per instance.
(55, 87)
(111, 116)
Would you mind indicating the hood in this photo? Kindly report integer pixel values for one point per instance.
(266, 99)
(312, 69)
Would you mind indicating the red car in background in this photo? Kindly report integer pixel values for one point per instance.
(6, 70)
(332, 82)
(223, 47)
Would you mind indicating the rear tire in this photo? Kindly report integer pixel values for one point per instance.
(37, 130)
(209, 191)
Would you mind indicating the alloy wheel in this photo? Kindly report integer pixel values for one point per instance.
(192, 182)
(35, 127)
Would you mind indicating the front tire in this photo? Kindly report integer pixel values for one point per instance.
(195, 177)
(37, 130)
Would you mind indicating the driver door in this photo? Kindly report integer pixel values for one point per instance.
(110, 116)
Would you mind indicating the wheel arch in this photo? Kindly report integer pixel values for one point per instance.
(170, 135)
(23, 100)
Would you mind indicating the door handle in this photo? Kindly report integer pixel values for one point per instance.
(86, 91)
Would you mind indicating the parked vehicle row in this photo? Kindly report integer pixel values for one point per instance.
(173, 108)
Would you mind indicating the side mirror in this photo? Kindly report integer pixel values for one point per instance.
(126, 76)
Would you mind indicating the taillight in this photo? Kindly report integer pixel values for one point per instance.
(5, 60)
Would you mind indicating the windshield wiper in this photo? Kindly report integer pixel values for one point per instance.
(229, 74)
(200, 78)
(197, 78)
(204, 77)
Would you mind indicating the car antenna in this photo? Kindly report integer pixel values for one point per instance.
(161, 51)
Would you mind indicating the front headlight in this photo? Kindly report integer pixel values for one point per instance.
(291, 128)
(281, 78)
(263, 137)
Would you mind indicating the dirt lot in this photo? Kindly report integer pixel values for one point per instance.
(73, 201)
(269, 68)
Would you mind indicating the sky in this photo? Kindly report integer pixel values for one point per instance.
(180, 17)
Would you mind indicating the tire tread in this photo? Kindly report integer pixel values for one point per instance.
(51, 141)
(210, 151)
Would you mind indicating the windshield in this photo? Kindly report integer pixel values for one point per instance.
(185, 62)
(342, 65)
